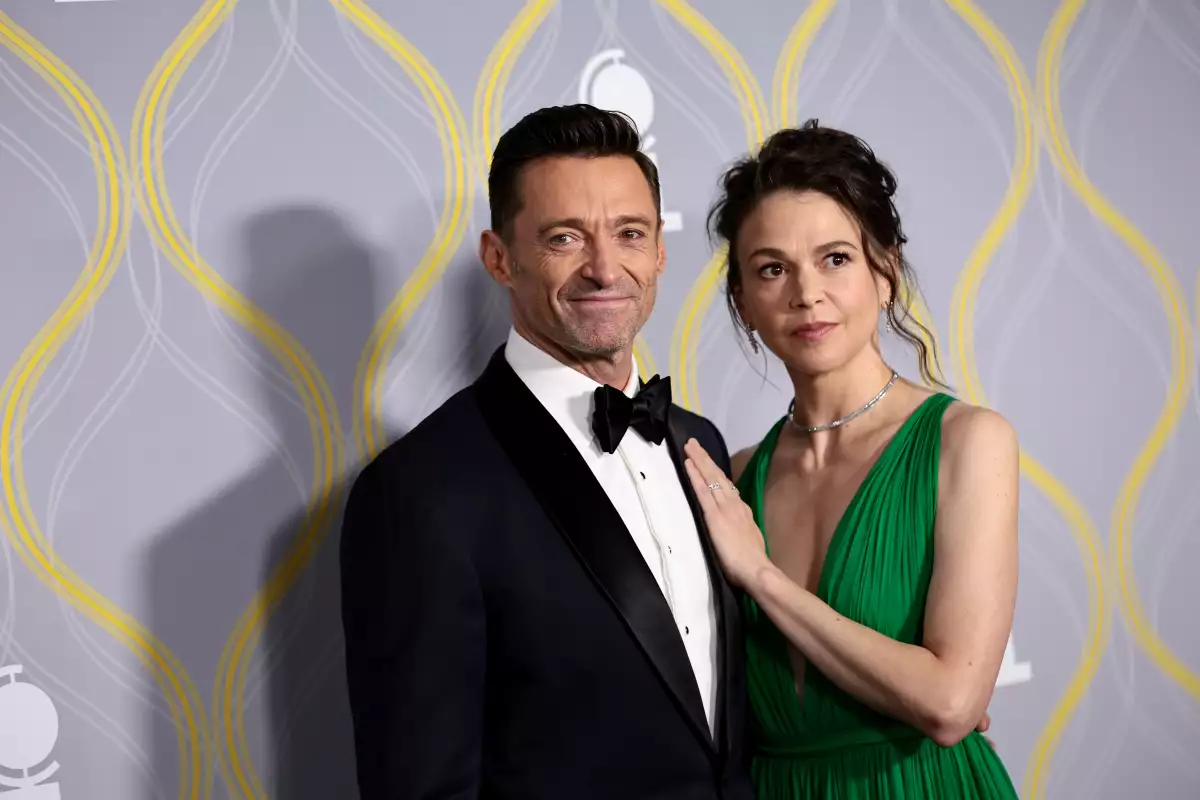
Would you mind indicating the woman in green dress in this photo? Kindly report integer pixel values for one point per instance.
(873, 530)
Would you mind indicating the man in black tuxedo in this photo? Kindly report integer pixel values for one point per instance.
(531, 604)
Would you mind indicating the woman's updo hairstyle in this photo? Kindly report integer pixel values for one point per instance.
(844, 168)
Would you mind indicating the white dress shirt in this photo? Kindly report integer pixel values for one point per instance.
(641, 481)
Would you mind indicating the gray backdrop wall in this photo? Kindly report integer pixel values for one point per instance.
(239, 257)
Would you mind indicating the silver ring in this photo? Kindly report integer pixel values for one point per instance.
(712, 487)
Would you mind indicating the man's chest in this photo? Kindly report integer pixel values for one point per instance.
(641, 481)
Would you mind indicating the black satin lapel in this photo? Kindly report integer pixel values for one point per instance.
(723, 600)
(591, 525)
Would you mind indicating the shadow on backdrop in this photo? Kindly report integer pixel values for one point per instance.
(307, 269)
(485, 318)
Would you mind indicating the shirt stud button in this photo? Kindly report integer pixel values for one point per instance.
(686, 630)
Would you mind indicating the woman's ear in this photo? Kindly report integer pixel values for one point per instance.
(739, 305)
(889, 265)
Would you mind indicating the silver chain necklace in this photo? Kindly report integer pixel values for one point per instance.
(837, 423)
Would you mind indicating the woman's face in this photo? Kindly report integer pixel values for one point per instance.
(806, 286)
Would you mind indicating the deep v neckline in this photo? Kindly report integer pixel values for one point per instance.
(763, 471)
(809, 735)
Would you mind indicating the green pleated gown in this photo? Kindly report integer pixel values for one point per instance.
(824, 744)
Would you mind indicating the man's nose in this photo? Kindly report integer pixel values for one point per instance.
(604, 262)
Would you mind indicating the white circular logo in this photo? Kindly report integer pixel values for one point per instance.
(28, 722)
(608, 84)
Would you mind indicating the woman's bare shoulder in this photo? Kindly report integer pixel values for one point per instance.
(976, 434)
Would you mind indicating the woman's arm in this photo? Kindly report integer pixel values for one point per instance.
(941, 687)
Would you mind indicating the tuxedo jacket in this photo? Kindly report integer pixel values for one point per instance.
(504, 636)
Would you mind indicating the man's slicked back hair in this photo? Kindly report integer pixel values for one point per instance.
(580, 131)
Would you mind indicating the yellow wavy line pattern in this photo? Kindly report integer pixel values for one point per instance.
(154, 200)
(962, 334)
(785, 83)
(962, 348)
(1171, 295)
(741, 79)
(489, 89)
(1087, 539)
(754, 113)
(456, 209)
(108, 246)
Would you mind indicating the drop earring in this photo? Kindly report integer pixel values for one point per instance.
(887, 317)
(753, 341)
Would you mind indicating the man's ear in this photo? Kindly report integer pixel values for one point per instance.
(494, 256)
(662, 250)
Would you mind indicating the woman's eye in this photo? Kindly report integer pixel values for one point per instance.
(839, 259)
(771, 270)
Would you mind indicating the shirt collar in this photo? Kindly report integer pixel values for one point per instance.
(563, 391)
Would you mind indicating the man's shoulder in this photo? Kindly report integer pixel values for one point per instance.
(445, 439)
(412, 489)
(450, 420)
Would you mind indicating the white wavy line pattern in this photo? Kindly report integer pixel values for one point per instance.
(846, 81)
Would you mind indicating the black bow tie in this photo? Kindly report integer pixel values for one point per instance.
(646, 412)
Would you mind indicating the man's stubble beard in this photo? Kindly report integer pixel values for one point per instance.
(607, 339)
(577, 338)
(600, 342)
